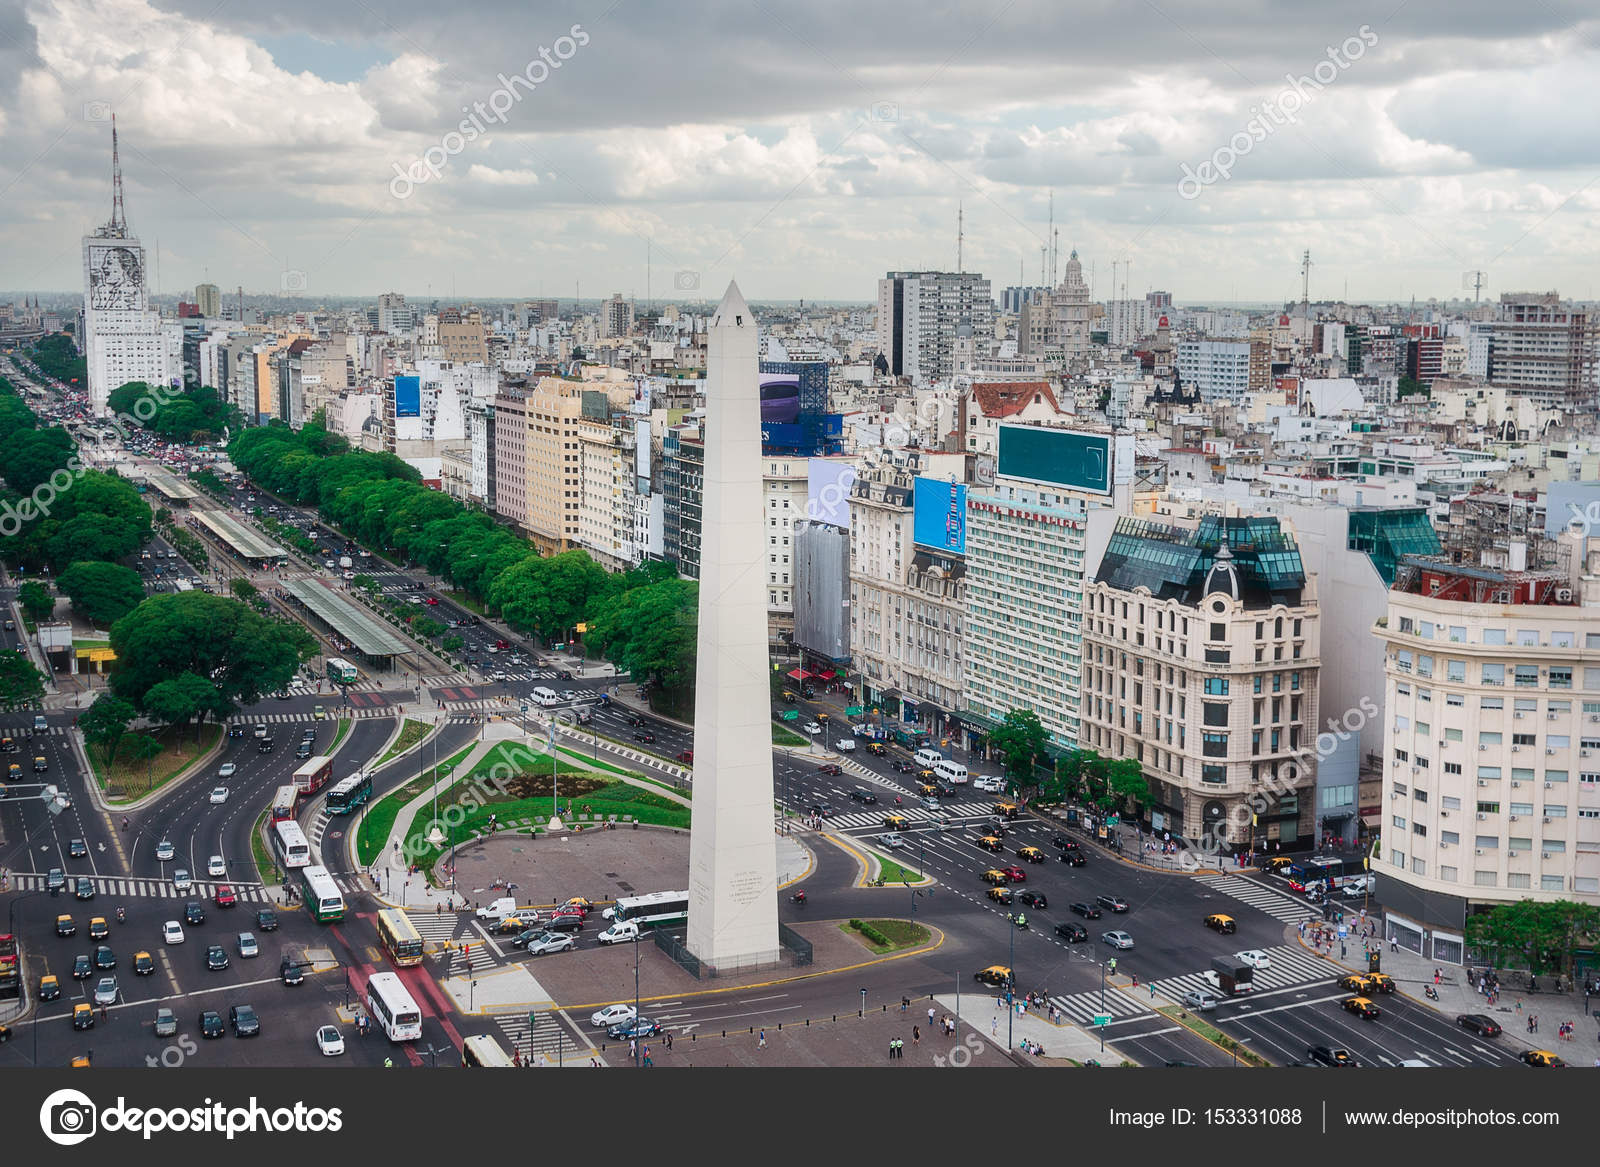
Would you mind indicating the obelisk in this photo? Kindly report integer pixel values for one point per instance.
(733, 859)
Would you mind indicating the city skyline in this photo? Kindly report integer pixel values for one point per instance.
(307, 153)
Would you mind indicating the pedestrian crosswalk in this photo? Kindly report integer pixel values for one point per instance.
(551, 1035)
(1274, 903)
(1291, 965)
(912, 814)
(20, 734)
(246, 893)
(1084, 1007)
(246, 721)
(436, 928)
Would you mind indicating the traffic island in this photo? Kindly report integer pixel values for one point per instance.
(1215, 1036)
(884, 936)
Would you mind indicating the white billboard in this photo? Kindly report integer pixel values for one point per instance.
(828, 485)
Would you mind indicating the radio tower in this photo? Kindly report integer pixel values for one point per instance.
(118, 227)
(1305, 284)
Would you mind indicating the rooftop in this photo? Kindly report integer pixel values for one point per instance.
(247, 543)
(364, 629)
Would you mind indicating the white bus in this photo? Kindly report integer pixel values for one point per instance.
(323, 900)
(653, 910)
(182, 585)
(289, 844)
(482, 1050)
(393, 1008)
(546, 696)
(283, 803)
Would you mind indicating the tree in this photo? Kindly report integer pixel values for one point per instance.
(651, 631)
(548, 595)
(244, 589)
(1541, 935)
(105, 722)
(103, 593)
(451, 643)
(1022, 739)
(240, 653)
(36, 600)
(21, 685)
(426, 627)
(99, 537)
(141, 747)
(32, 456)
(173, 702)
(1126, 780)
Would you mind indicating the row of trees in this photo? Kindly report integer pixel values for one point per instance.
(58, 357)
(643, 620)
(1108, 783)
(191, 416)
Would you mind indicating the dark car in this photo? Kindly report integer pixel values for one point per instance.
(903, 767)
(1479, 1024)
(1323, 1055)
(1076, 933)
(1074, 859)
(643, 735)
(85, 888)
(264, 746)
(291, 972)
(211, 1024)
(860, 794)
(830, 768)
(82, 967)
(641, 1027)
(104, 957)
(563, 674)
(216, 958)
(820, 809)
(1114, 903)
(193, 913)
(563, 922)
(1087, 911)
(267, 920)
(1034, 899)
(1064, 843)
(303, 750)
(238, 730)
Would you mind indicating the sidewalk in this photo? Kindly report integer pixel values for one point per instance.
(1412, 972)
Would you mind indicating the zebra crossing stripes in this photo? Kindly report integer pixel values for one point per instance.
(914, 814)
(1085, 1006)
(437, 927)
(1290, 966)
(550, 1035)
(16, 734)
(142, 888)
(1263, 898)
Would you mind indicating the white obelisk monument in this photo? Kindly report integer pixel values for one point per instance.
(733, 858)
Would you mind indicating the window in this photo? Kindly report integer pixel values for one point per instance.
(1215, 745)
(1418, 867)
(1458, 634)
(1452, 767)
(1424, 665)
(1494, 635)
(1527, 638)
(1398, 859)
(1483, 878)
(1522, 808)
(1450, 803)
(1527, 676)
(1487, 842)
(1455, 670)
(1555, 775)
(1490, 738)
(1217, 686)
(1425, 695)
(1562, 640)
(1452, 735)
(1560, 676)
(1518, 879)
(1554, 846)
(1555, 810)
(1494, 674)
(1398, 821)
(1419, 829)
(1420, 795)
(1550, 883)
(1451, 837)
(1492, 704)
(1448, 874)
(1455, 699)
(1213, 773)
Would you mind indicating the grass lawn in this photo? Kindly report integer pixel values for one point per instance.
(345, 723)
(901, 934)
(784, 737)
(466, 602)
(375, 824)
(1211, 1033)
(893, 871)
(411, 733)
(125, 779)
(258, 848)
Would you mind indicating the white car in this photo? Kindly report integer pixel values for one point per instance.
(1359, 886)
(172, 932)
(164, 851)
(845, 745)
(1117, 938)
(219, 796)
(228, 770)
(349, 575)
(892, 839)
(181, 880)
(1200, 999)
(330, 1042)
(611, 1015)
(989, 785)
(550, 942)
(813, 727)
(1253, 957)
(216, 865)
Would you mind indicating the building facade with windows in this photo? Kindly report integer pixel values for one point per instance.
(1491, 788)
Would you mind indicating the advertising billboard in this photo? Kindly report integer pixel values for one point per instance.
(939, 515)
(794, 408)
(828, 485)
(408, 396)
(1066, 458)
(780, 398)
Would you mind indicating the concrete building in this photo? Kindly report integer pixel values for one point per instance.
(918, 313)
(988, 404)
(208, 300)
(822, 613)
(1220, 369)
(616, 317)
(510, 431)
(1073, 314)
(460, 336)
(1545, 350)
(1491, 789)
(1201, 661)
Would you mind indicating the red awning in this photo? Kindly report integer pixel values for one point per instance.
(827, 676)
(799, 674)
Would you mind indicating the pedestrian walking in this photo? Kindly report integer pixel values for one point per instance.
(905, 1003)
(994, 1027)
(1436, 975)
(916, 1035)
(647, 1062)
(1394, 944)
(633, 1047)
(762, 1044)
(669, 1041)
(891, 1049)
(1152, 991)
(930, 1016)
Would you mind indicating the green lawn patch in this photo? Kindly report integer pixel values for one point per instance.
(125, 779)
(373, 833)
(412, 731)
(883, 936)
(893, 871)
(266, 866)
(783, 737)
(342, 732)
(1212, 1034)
(467, 602)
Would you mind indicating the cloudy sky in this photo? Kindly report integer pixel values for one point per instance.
(806, 147)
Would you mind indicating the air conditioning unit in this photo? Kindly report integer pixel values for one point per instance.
(1443, 846)
(1513, 818)
(1594, 717)
(1519, 716)
(1583, 753)
(1548, 785)
(1515, 785)
(1547, 855)
(1550, 752)
(1546, 818)
(1552, 717)
(1481, 746)
(1482, 816)
(1478, 851)
(1444, 814)
(1563, 595)
(1516, 749)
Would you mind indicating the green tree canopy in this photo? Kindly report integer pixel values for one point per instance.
(32, 456)
(21, 685)
(99, 537)
(102, 593)
(36, 600)
(105, 722)
(1540, 934)
(651, 631)
(548, 595)
(178, 699)
(1022, 739)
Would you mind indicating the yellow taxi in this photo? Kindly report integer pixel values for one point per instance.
(896, 822)
(515, 923)
(1006, 810)
(996, 974)
(80, 1061)
(1382, 982)
(1222, 923)
(1358, 983)
(877, 748)
(1277, 863)
(1031, 854)
(580, 903)
(1543, 1059)
(925, 776)
(929, 790)
(1361, 1007)
(1001, 895)
(142, 964)
(98, 928)
(990, 843)
(65, 925)
(996, 876)
(83, 1015)
(49, 987)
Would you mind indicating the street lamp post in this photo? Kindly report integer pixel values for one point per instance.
(1011, 1012)
(1102, 1028)
(636, 999)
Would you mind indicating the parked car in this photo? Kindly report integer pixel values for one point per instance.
(1479, 1024)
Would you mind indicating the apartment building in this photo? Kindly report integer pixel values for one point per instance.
(1220, 369)
(918, 314)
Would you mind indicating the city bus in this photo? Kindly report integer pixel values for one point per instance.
(1324, 871)
(653, 910)
(482, 1050)
(400, 937)
(342, 672)
(313, 775)
(393, 1008)
(283, 803)
(182, 585)
(322, 896)
(10, 969)
(349, 793)
(289, 845)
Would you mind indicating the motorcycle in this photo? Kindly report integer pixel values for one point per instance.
(122, 915)
(1430, 992)
(798, 899)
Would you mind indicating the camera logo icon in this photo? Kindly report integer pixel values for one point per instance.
(885, 111)
(67, 1117)
(292, 281)
(97, 111)
(686, 281)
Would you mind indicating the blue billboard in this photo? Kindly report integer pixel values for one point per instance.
(939, 515)
(794, 408)
(1056, 457)
(408, 396)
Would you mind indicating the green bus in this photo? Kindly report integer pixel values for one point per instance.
(342, 672)
(349, 793)
(322, 897)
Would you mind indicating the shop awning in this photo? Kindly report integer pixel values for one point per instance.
(800, 674)
(1371, 820)
(827, 676)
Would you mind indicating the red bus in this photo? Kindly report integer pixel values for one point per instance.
(283, 803)
(10, 970)
(313, 775)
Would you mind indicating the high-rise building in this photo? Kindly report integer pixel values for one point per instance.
(208, 298)
(918, 314)
(1491, 787)
(121, 336)
(461, 337)
(1073, 311)
(1545, 350)
(1220, 369)
(616, 317)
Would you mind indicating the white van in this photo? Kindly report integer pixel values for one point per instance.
(929, 757)
(952, 772)
(546, 696)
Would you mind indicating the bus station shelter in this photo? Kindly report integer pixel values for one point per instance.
(248, 545)
(364, 631)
